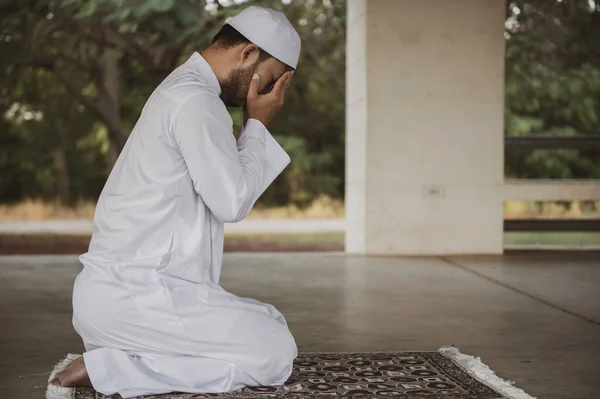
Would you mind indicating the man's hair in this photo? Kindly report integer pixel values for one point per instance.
(229, 37)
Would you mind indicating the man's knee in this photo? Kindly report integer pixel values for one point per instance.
(287, 349)
(278, 358)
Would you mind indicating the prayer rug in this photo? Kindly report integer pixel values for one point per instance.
(446, 374)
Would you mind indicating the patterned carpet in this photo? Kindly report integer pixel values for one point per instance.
(412, 375)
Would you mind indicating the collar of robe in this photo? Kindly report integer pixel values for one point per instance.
(206, 71)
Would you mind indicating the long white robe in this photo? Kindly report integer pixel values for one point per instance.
(148, 304)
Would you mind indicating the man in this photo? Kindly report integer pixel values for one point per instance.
(148, 304)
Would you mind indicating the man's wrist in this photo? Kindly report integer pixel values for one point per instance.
(261, 120)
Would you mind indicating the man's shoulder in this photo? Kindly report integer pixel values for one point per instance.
(185, 91)
(184, 83)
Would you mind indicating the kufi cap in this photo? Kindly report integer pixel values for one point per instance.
(271, 31)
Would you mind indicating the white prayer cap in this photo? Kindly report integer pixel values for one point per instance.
(271, 31)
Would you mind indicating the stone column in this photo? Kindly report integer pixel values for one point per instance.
(425, 111)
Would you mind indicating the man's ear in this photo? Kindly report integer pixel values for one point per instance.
(249, 54)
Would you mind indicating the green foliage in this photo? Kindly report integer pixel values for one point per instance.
(74, 41)
(45, 148)
(552, 85)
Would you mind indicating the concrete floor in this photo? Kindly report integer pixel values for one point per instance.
(534, 318)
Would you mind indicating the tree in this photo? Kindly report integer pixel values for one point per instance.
(552, 84)
(85, 44)
(102, 59)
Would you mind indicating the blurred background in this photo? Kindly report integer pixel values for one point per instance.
(75, 75)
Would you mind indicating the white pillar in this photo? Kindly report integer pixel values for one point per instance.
(424, 145)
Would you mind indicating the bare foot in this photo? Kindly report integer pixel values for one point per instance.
(75, 375)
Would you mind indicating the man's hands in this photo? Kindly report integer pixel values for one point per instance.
(264, 107)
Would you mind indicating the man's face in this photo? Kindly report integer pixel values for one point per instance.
(234, 90)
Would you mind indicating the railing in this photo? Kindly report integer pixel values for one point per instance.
(550, 141)
(551, 190)
(552, 225)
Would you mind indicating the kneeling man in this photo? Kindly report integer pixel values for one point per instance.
(148, 304)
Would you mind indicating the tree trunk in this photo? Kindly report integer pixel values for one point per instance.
(62, 166)
(110, 98)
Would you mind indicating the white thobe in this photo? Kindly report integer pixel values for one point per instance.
(148, 304)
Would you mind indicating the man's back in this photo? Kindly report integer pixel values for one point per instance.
(149, 201)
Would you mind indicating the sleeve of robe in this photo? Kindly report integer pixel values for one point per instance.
(229, 176)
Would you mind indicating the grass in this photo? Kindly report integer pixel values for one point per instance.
(325, 237)
(40, 210)
(552, 238)
(551, 209)
(321, 208)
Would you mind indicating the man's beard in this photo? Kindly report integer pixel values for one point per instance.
(234, 90)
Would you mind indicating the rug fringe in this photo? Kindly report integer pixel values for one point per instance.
(54, 392)
(477, 369)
